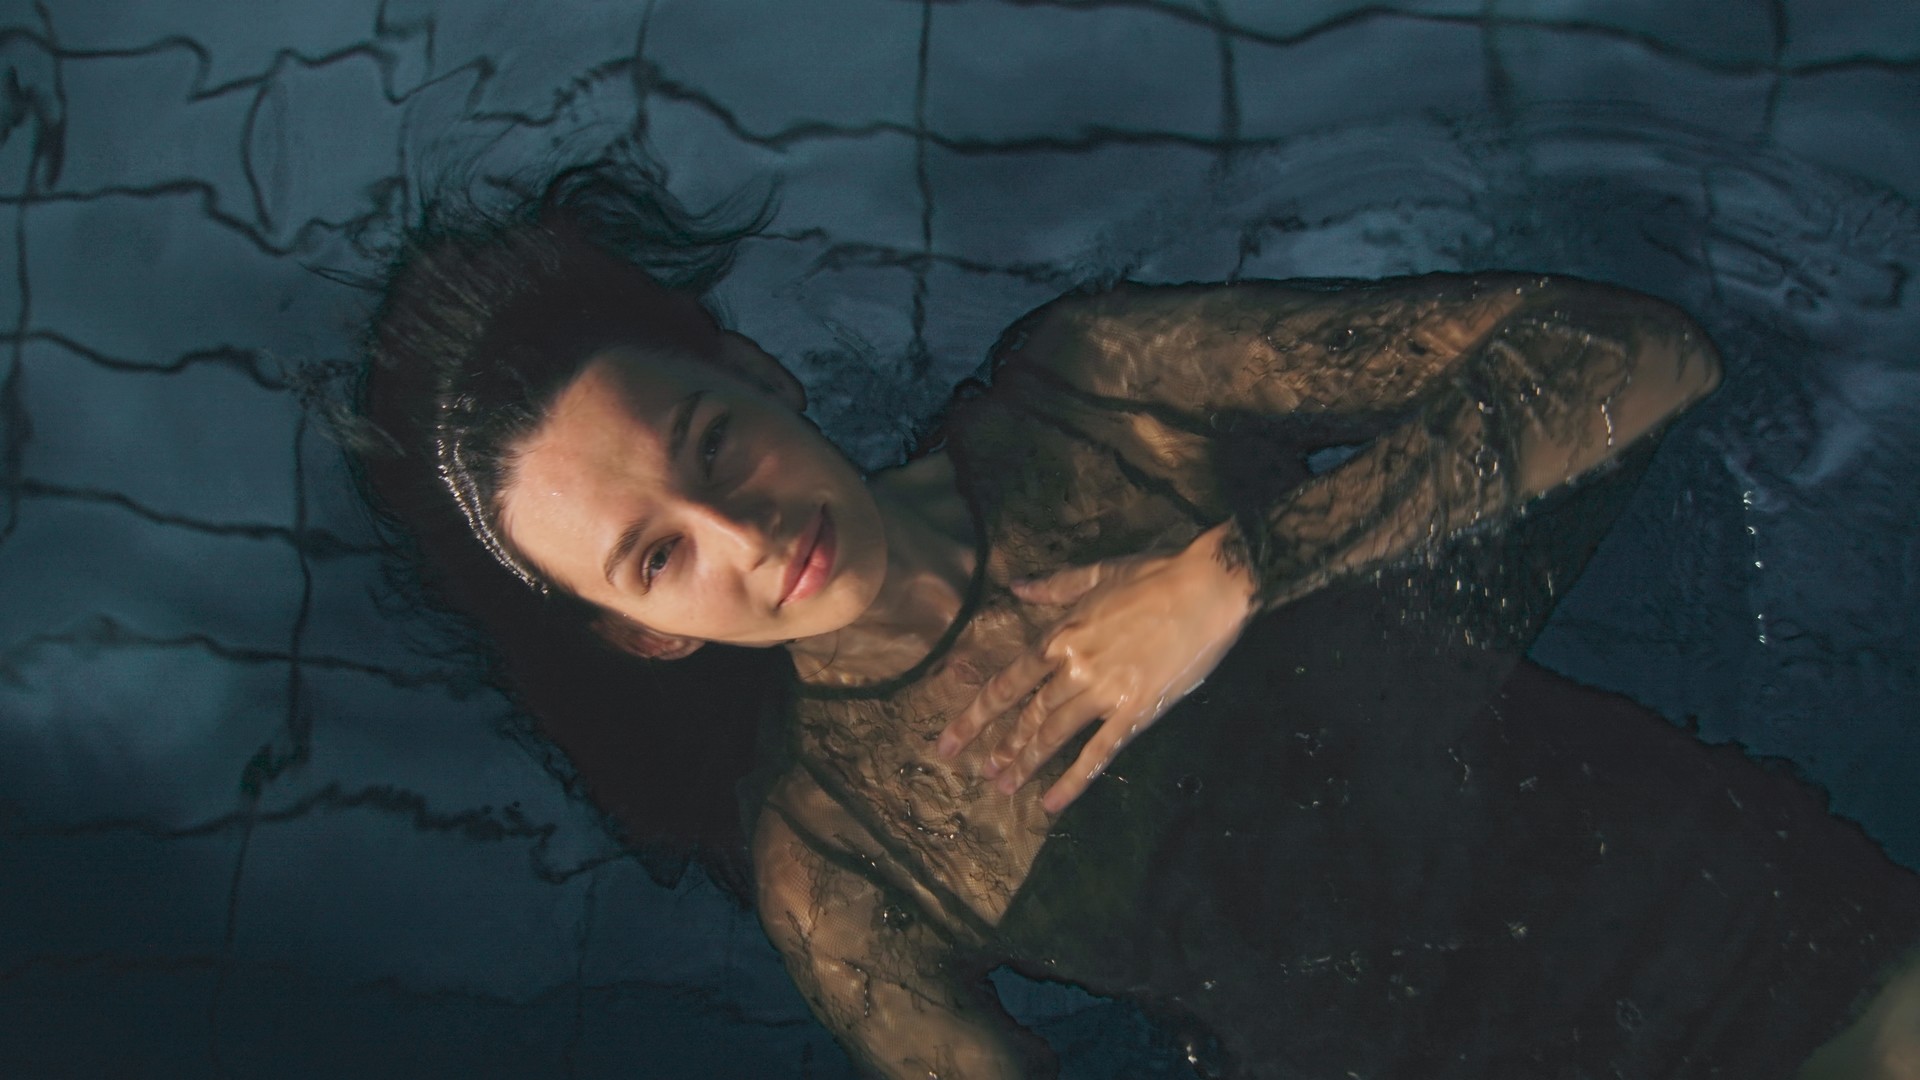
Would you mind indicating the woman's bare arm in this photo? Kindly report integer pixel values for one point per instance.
(883, 980)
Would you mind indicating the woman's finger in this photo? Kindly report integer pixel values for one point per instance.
(1053, 694)
(1059, 726)
(1061, 586)
(996, 696)
(1094, 758)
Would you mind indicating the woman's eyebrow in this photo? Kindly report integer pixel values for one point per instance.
(680, 421)
(622, 548)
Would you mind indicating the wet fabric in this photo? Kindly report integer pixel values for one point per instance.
(1374, 843)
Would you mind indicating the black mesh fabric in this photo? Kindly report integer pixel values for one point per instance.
(1375, 843)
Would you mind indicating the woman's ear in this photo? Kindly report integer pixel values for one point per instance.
(630, 637)
(740, 355)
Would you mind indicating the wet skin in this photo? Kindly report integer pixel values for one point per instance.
(680, 497)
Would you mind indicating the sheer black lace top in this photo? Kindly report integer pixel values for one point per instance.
(1312, 417)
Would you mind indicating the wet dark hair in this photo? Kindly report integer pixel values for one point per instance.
(484, 320)
(485, 316)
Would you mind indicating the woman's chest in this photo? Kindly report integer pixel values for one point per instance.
(940, 821)
(1055, 487)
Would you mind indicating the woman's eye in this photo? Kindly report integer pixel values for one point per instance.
(657, 560)
(710, 444)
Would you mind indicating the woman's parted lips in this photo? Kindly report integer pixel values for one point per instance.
(809, 539)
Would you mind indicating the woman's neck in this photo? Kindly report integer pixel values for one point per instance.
(931, 557)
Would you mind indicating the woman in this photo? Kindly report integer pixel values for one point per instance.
(1371, 846)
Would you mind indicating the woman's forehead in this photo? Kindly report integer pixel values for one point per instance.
(598, 457)
(623, 411)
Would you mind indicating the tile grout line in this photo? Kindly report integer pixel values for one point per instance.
(1777, 14)
(918, 358)
(49, 137)
(265, 766)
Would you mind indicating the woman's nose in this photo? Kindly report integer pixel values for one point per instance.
(738, 524)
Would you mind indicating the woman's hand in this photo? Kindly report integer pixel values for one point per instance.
(1142, 632)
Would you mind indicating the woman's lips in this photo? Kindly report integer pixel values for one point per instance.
(814, 563)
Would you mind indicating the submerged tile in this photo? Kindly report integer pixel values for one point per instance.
(779, 67)
(206, 441)
(998, 72)
(1365, 71)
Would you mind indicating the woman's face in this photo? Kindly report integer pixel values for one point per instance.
(687, 499)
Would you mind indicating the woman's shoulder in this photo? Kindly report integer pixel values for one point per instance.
(1124, 316)
(926, 472)
(1266, 344)
(1127, 337)
(793, 809)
